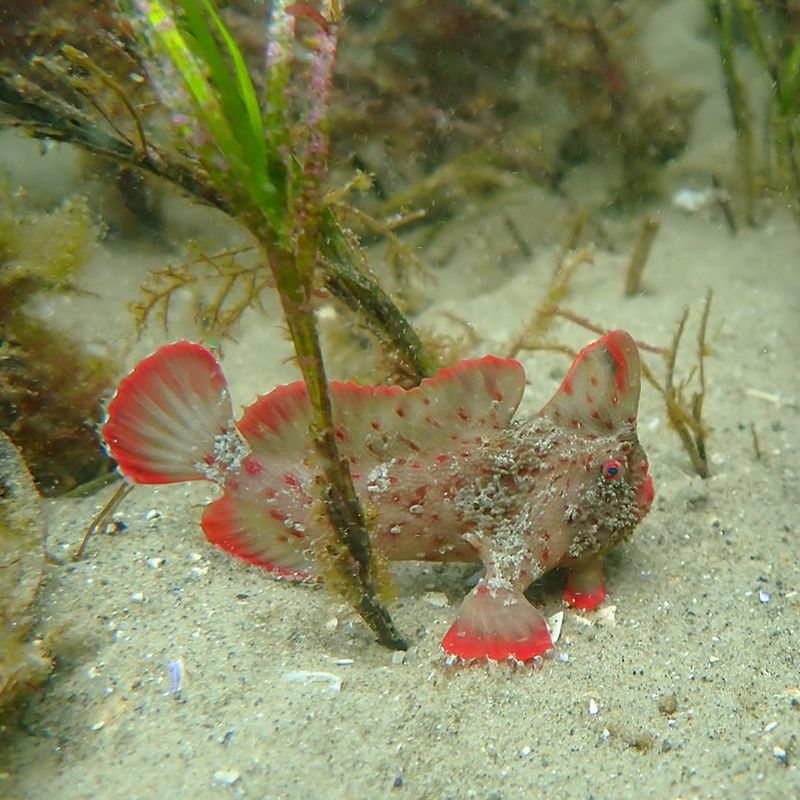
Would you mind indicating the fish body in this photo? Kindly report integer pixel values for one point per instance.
(443, 471)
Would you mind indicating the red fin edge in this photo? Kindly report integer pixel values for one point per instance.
(602, 385)
(585, 601)
(586, 584)
(245, 530)
(498, 626)
(167, 414)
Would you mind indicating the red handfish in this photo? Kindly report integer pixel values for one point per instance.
(443, 472)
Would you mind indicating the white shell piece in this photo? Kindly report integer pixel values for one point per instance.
(334, 682)
(436, 599)
(554, 624)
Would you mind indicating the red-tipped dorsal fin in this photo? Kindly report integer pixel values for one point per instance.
(600, 391)
(383, 421)
(497, 625)
(170, 419)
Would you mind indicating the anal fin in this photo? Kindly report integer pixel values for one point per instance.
(247, 530)
(497, 625)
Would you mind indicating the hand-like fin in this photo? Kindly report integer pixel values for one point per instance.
(586, 583)
(498, 625)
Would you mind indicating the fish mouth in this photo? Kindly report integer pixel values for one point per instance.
(645, 494)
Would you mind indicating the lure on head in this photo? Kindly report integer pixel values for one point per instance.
(601, 389)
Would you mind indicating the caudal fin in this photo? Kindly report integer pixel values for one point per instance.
(497, 625)
(171, 418)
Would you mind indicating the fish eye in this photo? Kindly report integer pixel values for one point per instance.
(612, 470)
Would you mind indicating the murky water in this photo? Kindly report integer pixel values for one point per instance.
(506, 168)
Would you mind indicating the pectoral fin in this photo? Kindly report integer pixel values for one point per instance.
(497, 625)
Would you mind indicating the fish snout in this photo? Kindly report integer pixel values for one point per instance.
(646, 494)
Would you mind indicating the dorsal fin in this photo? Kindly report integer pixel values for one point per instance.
(472, 397)
(600, 391)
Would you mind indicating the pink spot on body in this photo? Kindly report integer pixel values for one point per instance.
(291, 480)
(252, 466)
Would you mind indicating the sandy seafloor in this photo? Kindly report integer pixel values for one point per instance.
(691, 670)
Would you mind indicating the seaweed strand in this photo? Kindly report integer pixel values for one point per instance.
(721, 13)
(686, 419)
(280, 200)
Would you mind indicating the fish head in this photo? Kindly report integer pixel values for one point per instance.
(605, 488)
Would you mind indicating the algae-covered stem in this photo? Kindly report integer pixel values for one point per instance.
(641, 252)
(355, 561)
(699, 397)
(294, 278)
(783, 71)
(687, 420)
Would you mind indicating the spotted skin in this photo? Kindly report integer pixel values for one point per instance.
(443, 472)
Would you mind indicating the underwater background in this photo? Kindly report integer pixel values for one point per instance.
(439, 181)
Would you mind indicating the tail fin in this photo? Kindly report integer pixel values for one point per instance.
(171, 418)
